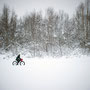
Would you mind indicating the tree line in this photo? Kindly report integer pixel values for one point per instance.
(49, 34)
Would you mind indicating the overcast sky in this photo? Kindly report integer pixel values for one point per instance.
(25, 6)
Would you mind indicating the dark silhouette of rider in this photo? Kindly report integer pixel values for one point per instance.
(18, 59)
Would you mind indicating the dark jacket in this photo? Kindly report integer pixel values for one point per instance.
(18, 58)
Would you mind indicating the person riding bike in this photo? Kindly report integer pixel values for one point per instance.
(18, 59)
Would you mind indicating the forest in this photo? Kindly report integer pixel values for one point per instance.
(54, 34)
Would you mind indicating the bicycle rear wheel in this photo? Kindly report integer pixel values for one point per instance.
(22, 63)
(14, 63)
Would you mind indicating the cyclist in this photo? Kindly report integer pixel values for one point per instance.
(18, 59)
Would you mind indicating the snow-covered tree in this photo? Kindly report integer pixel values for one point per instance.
(5, 26)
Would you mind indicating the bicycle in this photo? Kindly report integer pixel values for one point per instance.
(16, 63)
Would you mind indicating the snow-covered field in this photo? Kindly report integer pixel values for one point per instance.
(65, 73)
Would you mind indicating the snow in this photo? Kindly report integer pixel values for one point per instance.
(64, 73)
(88, 44)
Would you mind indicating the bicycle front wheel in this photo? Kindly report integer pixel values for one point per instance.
(22, 63)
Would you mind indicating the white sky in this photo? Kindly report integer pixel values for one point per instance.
(23, 7)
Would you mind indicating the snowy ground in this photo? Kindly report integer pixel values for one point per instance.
(65, 73)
